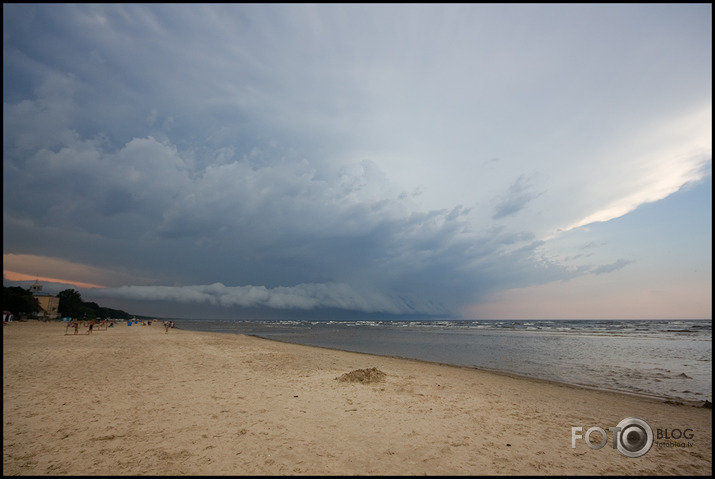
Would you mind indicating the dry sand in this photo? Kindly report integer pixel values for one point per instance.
(133, 400)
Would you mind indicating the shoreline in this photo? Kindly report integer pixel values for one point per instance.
(583, 353)
(665, 399)
(139, 401)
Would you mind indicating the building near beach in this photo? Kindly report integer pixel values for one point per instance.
(49, 305)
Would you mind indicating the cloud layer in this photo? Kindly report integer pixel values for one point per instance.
(394, 159)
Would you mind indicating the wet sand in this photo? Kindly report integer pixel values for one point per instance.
(133, 400)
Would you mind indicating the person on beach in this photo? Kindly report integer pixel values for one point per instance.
(167, 325)
(76, 326)
(91, 326)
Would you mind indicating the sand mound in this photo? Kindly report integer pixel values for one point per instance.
(371, 375)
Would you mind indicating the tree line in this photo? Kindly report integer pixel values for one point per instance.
(19, 301)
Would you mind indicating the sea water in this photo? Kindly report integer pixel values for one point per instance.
(668, 359)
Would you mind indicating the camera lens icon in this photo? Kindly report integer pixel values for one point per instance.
(634, 437)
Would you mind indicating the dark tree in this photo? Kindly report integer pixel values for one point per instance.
(19, 300)
(71, 304)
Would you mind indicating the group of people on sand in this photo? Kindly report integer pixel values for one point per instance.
(104, 324)
(75, 324)
(146, 323)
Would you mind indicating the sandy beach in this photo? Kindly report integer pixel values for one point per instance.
(134, 400)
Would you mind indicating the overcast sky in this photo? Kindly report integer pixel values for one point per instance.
(482, 161)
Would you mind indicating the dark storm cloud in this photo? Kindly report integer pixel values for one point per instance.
(309, 156)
